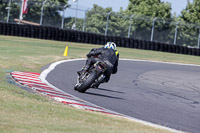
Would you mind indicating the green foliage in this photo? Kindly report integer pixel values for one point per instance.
(51, 15)
(118, 24)
(153, 8)
(14, 10)
(188, 32)
(3, 15)
(96, 19)
(192, 12)
(70, 22)
(144, 11)
(51, 11)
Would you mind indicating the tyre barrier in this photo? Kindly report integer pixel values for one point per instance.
(52, 33)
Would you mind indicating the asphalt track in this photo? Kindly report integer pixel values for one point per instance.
(160, 93)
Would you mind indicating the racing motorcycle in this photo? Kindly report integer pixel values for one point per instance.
(91, 78)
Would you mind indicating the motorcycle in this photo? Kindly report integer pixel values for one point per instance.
(91, 78)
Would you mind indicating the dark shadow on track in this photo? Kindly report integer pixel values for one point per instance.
(101, 95)
(109, 90)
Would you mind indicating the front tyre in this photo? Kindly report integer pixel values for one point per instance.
(87, 83)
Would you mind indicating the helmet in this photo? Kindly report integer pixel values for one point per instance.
(111, 45)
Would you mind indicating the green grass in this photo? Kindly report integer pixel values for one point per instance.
(22, 112)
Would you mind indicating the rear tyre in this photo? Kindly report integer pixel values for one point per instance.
(88, 82)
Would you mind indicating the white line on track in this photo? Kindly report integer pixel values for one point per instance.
(182, 64)
(57, 93)
(45, 90)
(64, 97)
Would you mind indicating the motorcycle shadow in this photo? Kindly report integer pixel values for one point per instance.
(103, 95)
(109, 90)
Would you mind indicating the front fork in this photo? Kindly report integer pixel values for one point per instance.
(82, 78)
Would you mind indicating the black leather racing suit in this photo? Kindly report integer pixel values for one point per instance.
(107, 55)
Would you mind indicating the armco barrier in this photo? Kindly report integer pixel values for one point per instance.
(52, 33)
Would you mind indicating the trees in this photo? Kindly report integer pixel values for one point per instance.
(96, 19)
(139, 16)
(188, 32)
(146, 12)
(3, 13)
(14, 10)
(51, 11)
(153, 8)
(192, 12)
(118, 22)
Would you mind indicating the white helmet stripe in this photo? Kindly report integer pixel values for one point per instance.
(111, 45)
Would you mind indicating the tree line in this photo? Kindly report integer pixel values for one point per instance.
(138, 18)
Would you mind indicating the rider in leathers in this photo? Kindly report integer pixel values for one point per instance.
(108, 54)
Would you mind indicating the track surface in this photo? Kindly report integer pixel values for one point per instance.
(164, 94)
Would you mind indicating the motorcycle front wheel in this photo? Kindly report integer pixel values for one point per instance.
(87, 83)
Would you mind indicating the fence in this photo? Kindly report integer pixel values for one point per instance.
(52, 33)
(104, 23)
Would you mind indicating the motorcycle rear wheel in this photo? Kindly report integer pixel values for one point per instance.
(87, 83)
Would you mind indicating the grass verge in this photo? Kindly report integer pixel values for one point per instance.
(22, 112)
